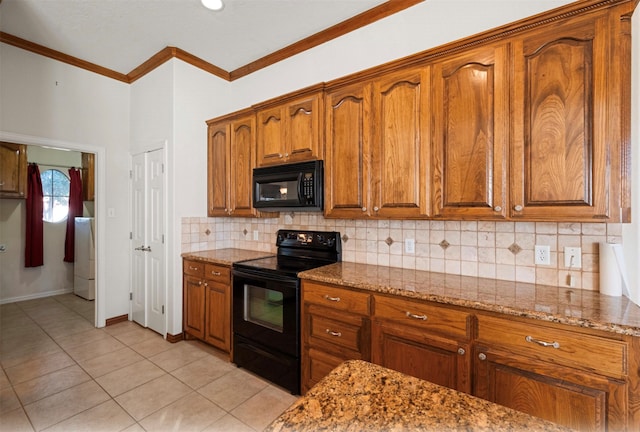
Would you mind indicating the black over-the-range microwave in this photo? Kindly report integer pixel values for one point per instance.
(289, 187)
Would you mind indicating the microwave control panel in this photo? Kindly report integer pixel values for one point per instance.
(307, 187)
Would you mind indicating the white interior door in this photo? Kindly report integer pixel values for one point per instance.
(147, 239)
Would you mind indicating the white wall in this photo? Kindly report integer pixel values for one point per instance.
(45, 102)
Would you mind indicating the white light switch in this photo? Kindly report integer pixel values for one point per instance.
(410, 246)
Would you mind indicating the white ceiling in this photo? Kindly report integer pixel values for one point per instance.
(123, 34)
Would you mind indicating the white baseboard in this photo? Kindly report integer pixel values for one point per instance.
(36, 296)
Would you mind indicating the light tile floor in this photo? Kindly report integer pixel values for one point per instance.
(59, 373)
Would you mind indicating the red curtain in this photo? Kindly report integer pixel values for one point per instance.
(33, 251)
(75, 209)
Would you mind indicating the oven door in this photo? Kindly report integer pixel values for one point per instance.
(266, 310)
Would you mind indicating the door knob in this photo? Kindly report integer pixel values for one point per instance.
(140, 248)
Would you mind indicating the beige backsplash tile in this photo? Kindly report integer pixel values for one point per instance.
(475, 248)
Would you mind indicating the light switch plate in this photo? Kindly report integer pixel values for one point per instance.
(576, 254)
(410, 246)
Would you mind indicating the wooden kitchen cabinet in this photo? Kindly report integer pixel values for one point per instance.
(335, 327)
(13, 170)
(566, 121)
(231, 159)
(470, 112)
(290, 128)
(568, 377)
(430, 342)
(88, 176)
(207, 303)
(377, 152)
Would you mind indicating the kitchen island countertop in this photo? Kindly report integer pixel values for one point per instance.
(225, 256)
(571, 306)
(361, 396)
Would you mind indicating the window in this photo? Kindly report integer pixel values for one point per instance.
(55, 195)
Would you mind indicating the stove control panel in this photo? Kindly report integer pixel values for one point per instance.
(312, 239)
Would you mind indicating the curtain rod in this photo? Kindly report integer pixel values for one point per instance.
(54, 165)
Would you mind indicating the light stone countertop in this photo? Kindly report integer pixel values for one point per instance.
(569, 306)
(225, 256)
(361, 396)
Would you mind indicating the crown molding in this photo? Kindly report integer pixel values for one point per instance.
(390, 7)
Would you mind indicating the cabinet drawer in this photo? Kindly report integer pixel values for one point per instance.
(335, 332)
(592, 353)
(217, 273)
(336, 298)
(193, 268)
(438, 319)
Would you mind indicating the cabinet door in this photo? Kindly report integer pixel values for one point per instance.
(194, 306)
(400, 144)
(271, 138)
(560, 161)
(581, 401)
(241, 166)
(13, 170)
(347, 140)
(88, 176)
(218, 315)
(471, 134)
(417, 353)
(218, 169)
(304, 128)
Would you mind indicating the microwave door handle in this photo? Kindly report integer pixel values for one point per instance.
(300, 200)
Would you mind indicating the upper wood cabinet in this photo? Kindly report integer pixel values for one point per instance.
(88, 176)
(290, 130)
(377, 148)
(13, 170)
(565, 159)
(470, 112)
(347, 145)
(230, 164)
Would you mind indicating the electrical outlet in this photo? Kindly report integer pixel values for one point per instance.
(573, 257)
(543, 255)
(410, 246)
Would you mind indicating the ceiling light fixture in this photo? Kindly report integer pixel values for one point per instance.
(215, 5)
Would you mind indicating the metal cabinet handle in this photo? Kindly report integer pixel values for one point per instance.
(286, 155)
(554, 344)
(364, 209)
(199, 283)
(376, 209)
(333, 333)
(333, 299)
(193, 268)
(461, 351)
(205, 284)
(215, 273)
(518, 208)
(418, 317)
(497, 208)
(482, 356)
(280, 155)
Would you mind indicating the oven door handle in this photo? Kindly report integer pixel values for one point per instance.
(260, 276)
(259, 351)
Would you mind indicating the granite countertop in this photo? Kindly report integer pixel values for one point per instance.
(361, 396)
(570, 306)
(225, 256)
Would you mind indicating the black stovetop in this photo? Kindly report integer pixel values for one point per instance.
(298, 251)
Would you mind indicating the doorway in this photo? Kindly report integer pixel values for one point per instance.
(148, 266)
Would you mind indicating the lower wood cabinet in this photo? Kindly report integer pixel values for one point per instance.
(578, 377)
(335, 327)
(422, 340)
(207, 303)
(571, 378)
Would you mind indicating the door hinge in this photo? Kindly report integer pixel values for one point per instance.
(130, 296)
(162, 309)
(130, 174)
(130, 235)
(162, 238)
(162, 165)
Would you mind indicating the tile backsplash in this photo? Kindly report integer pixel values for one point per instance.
(498, 250)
